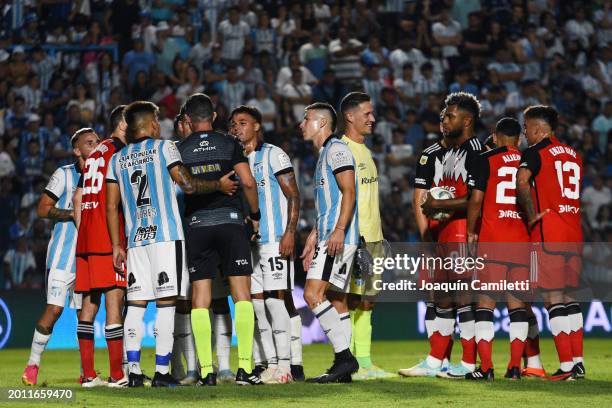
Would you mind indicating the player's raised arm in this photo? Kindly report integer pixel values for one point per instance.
(289, 188)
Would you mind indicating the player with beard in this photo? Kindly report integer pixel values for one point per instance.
(461, 113)
(428, 175)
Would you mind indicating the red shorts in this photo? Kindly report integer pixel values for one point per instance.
(555, 271)
(97, 272)
(499, 272)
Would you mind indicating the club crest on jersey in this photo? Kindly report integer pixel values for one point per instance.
(145, 233)
(423, 160)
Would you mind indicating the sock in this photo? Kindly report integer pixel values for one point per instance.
(296, 340)
(519, 329)
(39, 342)
(363, 337)
(258, 357)
(85, 334)
(532, 345)
(330, 322)
(281, 328)
(574, 314)
(467, 330)
(200, 324)
(441, 337)
(485, 333)
(560, 328)
(132, 333)
(430, 316)
(347, 327)
(182, 332)
(164, 337)
(222, 324)
(124, 362)
(449, 350)
(352, 316)
(245, 325)
(265, 332)
(114, 343)
(178, 370)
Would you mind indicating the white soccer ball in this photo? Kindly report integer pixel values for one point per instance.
(440, 193)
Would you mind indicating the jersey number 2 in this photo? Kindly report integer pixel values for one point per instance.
(501, 194)
(143, 185)
(573, 191)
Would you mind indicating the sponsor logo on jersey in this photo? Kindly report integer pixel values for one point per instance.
(204, 147)
(565, 208)
(509, 214)
(241, 262)
(90, 205)
(145, 233)
(369, 180)
(137, 158)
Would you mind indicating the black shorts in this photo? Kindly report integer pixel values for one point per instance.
(224, 244)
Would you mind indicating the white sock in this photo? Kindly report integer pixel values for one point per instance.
(347, 326)
(223, 339)
(164, 339)
(281, 326)
(184, 341)
(124, 363)
(265, 331)
(39, 342)
(132, 334)
(532, 333)
(258, 357)
(430, 318)
(296, 340)
(433, 362)
(332, 326)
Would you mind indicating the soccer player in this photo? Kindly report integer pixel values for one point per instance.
(95, 274)
(492, 208)
(428, 174)
(56, 204)
(140, 178)
(358, 113)
(460, 115)
(331, 246)
(279, 203)
(549, 180)
(216, 230)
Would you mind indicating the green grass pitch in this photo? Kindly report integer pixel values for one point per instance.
(60, 369)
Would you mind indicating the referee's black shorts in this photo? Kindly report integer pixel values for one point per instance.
(227, 241)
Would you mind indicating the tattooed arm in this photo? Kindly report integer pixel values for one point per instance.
(523, 196)
(194, 185)
(290, 189)
(46, 209)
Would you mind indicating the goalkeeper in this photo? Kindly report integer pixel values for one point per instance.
(358, 113)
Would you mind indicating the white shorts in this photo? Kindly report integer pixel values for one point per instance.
(270, 270)
(336, 270)
(59, 284)
(157, 271)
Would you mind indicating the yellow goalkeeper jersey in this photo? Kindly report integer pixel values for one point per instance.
(367, 195)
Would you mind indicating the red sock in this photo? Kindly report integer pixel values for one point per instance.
(517, 347)
(564, 347)
(439, 345)
(485, 349)
(532, 346)
(85, 334)
(114, 343)
(576, 342)
(469, 350)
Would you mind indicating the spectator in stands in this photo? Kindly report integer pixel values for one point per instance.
(202, 51)
(264, 37)
(266, 106)
(234, 91)
(329, 89)
(313, 55)
(297, 93)
(406, 54)
(250, 74)
(18, 262)
(191, 86)
(285, 73)
(233, 34)
(345, 57)
(137, 60)
(594, 197)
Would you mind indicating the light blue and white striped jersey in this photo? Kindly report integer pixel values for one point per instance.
(268, 161)
(148, 193)
(334, 157)
(62, 246)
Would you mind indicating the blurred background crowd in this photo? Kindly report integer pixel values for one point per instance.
(65, 64)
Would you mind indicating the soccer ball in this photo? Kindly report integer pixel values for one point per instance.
(440, 193)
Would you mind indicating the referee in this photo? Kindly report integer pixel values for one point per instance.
(215, 227)
(358, 112)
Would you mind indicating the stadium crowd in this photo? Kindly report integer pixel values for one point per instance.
(65, 64)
